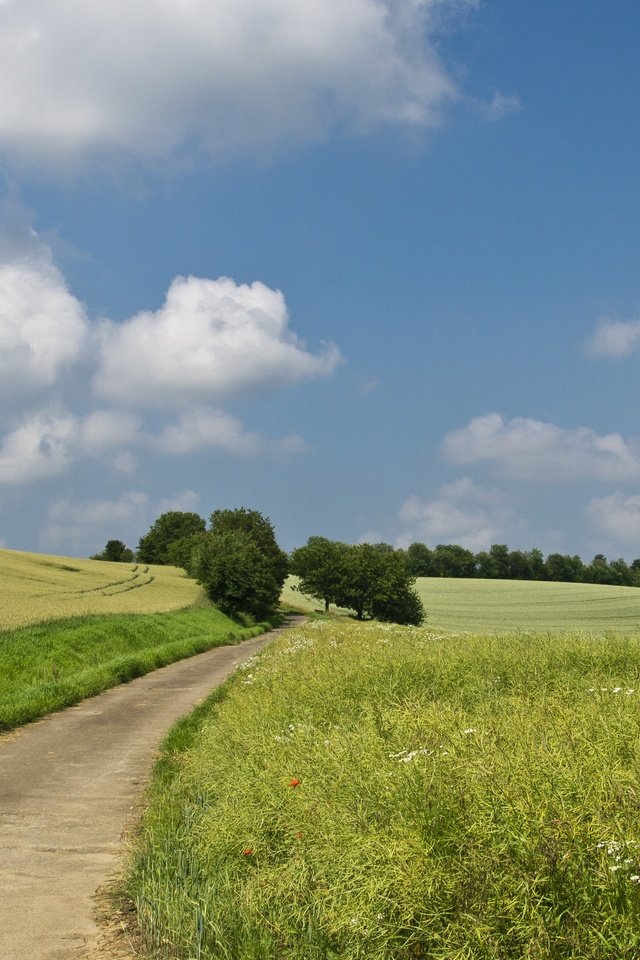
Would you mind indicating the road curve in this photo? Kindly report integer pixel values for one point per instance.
(68, 785)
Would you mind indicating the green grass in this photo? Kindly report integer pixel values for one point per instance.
(505, 605)
(50, 666)
(369, 791)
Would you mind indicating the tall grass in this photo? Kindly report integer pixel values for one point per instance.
(367, 791)
(49, 666)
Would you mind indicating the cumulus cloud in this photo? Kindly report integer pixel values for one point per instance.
(210, 339)
(617, 515)
(43, 327)
(614, 338)
(538, 451)
(108, 429)
(155, 79)
(461, 512)
(40, 447)
(199, 429)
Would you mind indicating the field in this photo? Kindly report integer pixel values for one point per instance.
(505, 605)
(388, 793)
(37, 587)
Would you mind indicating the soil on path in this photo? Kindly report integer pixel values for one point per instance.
(68, 787)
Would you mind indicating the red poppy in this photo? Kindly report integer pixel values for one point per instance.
(247, 851)
(294, 782)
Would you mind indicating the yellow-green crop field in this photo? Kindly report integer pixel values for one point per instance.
(480, 606)
(365, 791)
(36, 587)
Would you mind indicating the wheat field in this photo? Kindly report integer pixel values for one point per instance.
(37, 587)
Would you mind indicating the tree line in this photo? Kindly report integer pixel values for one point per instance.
(239, 563)
(500, 563)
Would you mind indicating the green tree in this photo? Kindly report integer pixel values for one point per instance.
(169, 527)
(260, 531)
(420, 561)
(535, 558)
(395, 599)
(181, 552)
(598, 570)
(494, 565)
(451, 560)
(621, 573)
(377, 584)
(564, 569)
(317, 564)
(236, 574)
(115, 551)
(240, 564)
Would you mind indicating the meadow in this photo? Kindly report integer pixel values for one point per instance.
(382, 792)
(505, 605)
(38, 587)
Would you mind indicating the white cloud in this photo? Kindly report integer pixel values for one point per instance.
(617, 515)
(47, 442)
(199, 429)
(108, 429)
(85, 524)
(42, 326)
(158, 78)
(461, 512)
(614, 338)
(500, 105)
(538, 451)
(211, 339)
(41, 447)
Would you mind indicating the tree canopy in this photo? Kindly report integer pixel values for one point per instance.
(116, 551)
(171, 526)
(240, 564)
(371, 579)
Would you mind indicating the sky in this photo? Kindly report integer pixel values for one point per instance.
(371, 268)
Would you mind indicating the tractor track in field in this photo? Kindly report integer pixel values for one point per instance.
(70, 788)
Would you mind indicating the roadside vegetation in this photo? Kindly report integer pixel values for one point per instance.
(381, 792)
(49, 666)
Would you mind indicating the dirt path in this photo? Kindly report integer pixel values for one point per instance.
(68, 786)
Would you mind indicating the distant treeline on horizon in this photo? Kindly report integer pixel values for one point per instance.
(500, 563)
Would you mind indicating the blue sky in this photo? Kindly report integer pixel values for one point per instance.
(370, 268)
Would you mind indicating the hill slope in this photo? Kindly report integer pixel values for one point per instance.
(37, 587)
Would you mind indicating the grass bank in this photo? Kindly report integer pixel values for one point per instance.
(49, 666)
(369, 791)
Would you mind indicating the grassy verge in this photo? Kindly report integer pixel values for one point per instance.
(367, 791)
(53, 665)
